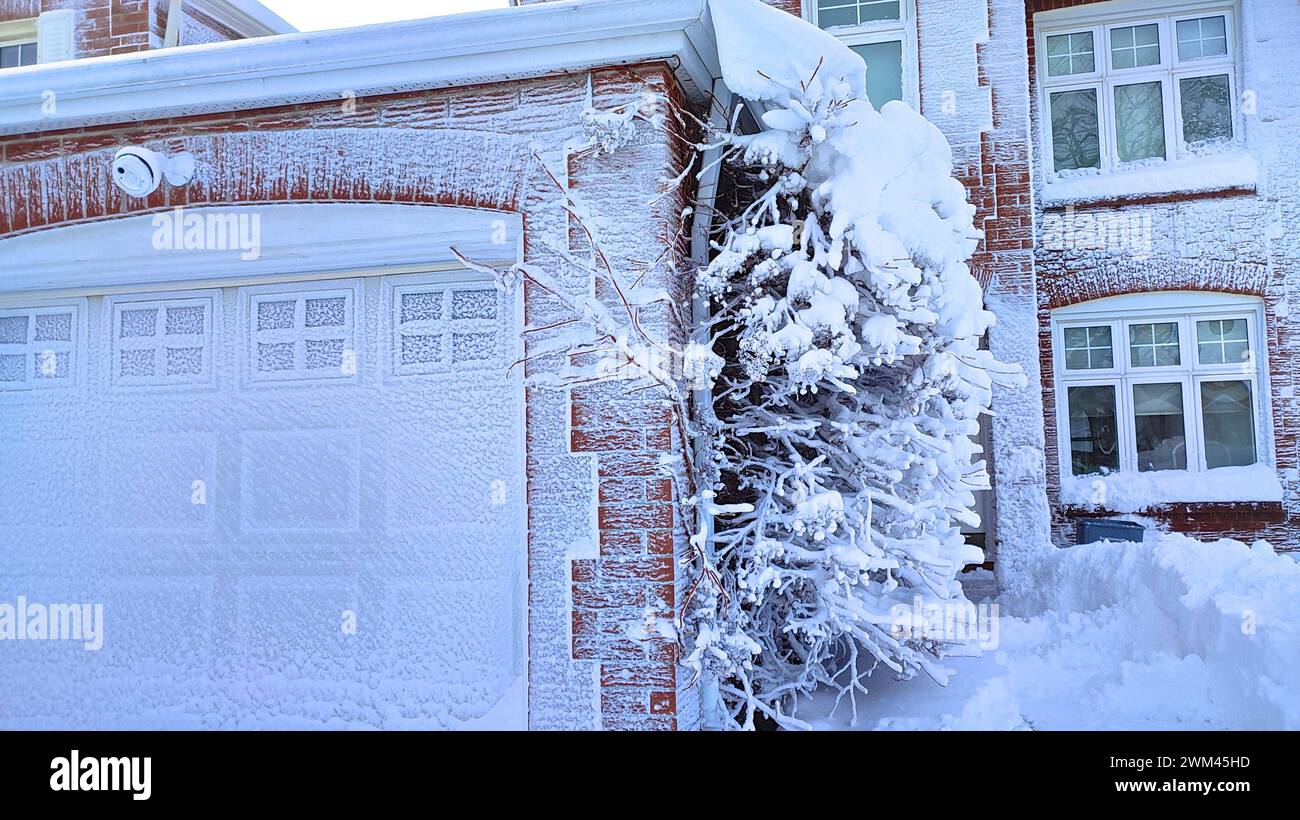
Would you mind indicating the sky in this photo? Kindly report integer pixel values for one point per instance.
(313, 15)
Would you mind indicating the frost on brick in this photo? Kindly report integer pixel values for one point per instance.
(841, 456)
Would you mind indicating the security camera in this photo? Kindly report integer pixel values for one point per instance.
(139, 171)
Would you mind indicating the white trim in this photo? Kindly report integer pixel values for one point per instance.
(490, 46)
(246, 17)
(172, 34)
(161, 300)
(15, 32)
(879, 32)
(1225, 172)
(1185, 309)
(366, 236)
(1138, 304)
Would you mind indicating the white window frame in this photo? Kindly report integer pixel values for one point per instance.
(446, 326)
(1186, 308)
(1105, 78)
(20, 33)
(209, 339)
(883, 31)
(31, 349)
(351, 290)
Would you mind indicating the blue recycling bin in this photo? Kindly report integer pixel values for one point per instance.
(1091, 530)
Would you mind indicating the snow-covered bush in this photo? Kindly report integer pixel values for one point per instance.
(837, 383)
(838, 459)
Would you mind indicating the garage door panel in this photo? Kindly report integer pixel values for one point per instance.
(160, 482)
(426, 623)
(42, 485)
(230, 513)
(447, 481)
(300, 480)
(287, 646)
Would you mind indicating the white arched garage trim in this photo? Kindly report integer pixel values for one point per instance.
(293, 240)
(245, 458)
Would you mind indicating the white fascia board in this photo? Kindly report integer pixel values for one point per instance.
(462, 49)
(246, 17)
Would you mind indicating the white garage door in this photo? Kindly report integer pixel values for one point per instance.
(300, 505)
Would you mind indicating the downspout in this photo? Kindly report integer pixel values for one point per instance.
(172, 37)
(701, 227)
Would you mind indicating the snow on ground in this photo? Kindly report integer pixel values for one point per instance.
(1171, 634)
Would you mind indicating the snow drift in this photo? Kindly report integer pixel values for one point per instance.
(1235, 607)
(1170, 634)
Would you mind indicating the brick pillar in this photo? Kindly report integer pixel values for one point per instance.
(623, 600)
(625, 595)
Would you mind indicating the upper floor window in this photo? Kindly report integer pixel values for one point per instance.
(17, 43)
(882, 32)
(1166, 381)
(1145, 84)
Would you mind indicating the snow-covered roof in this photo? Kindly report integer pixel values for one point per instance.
(460, 49)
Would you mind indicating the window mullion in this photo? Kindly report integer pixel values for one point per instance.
(1106, 126)
(1127, 426)
(1192, 423)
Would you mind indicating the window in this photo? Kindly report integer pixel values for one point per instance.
(17, 43)
(1169, 381)
(1135, 87)
(882, 33)
(298, 334)
(162, 341)
(13, 55)
(439, 327)
(38, 347)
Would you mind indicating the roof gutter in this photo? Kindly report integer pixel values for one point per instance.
(480, 47)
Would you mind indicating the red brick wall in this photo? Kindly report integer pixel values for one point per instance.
(101, 27)
(632, 581)
(419, 148)
(118, 26)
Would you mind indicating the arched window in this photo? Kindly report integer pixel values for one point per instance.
(1160, 381)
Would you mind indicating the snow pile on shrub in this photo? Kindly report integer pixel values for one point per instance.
(846, 325)
(1173, 633)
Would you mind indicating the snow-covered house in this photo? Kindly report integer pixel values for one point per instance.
(47, 31)
(272, 400)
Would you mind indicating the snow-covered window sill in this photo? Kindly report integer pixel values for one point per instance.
(1202, 175)
(1126, 492)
